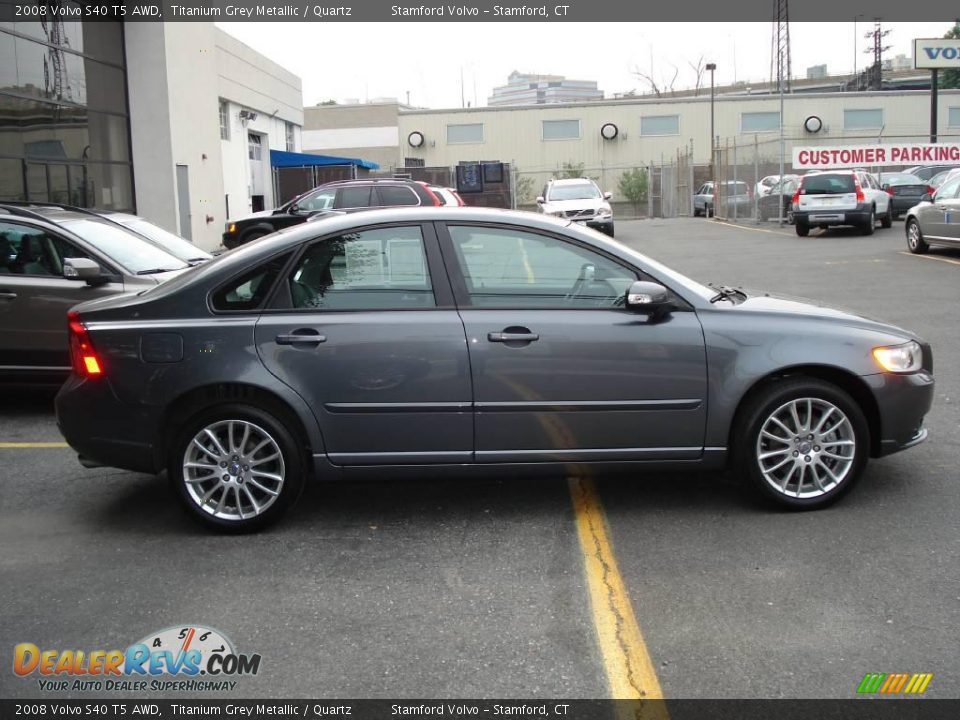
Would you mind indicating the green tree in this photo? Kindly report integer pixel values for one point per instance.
(571, 170)
(951, 78)
(634, 185)
(524, 189)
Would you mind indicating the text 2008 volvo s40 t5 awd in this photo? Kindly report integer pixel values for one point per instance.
(407, 342)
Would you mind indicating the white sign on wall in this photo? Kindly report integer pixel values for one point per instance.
(930, 53)
(885, 155)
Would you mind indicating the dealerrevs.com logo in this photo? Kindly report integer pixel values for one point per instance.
(183, 658)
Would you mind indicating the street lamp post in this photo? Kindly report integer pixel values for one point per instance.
(713, 146)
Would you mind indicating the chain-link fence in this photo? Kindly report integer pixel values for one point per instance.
(663, 188)
(745, 165)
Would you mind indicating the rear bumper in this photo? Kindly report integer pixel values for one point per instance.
(903, 402)
(829, 217)
(103, 429)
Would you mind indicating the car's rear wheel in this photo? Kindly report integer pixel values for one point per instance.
(869, 226)
(236, 468)
(887, 220)
(915, 242)
(802, 229)
(804, 443)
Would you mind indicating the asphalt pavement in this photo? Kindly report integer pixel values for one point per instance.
(467, 588)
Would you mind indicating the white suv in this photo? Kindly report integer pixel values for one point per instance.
(840, 197)
(580, 200)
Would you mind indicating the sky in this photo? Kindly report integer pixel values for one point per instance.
(363, 61)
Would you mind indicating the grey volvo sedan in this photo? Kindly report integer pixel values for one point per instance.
(409, 342)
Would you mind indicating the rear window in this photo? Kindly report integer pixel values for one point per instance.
(827, 185)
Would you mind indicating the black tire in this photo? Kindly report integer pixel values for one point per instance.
(610, 231)
(870, 225)
(916, 244)
(887, 220)
(758, 409)
(802, 229)
(696, 212)
(291, 464)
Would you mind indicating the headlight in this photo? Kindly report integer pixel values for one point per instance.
(904, 358)
(605, 212)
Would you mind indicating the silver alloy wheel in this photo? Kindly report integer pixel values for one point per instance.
(913, 234)
(806, 448)
(233, 469)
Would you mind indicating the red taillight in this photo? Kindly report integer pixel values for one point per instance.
(431, 193)
(82, 355)
(860, 196)
(890, 190)
(931, 190)
(796, 196)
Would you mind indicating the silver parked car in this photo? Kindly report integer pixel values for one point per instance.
(429, 341)
(47, 261)
(735, 196)
(936, 220)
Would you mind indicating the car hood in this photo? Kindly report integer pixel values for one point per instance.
(254, 216)
(785, 304)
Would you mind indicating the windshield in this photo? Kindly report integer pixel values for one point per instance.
(176, 246)
(578, 191)
(132, 252)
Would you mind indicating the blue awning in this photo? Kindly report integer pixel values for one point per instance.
(280, 158)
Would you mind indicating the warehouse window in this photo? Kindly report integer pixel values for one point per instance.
(224, 120)
(561, 130)
(660, 125)
(863, 119)
(465, 133)
(752, 122)
(291, 144)
(953, 117)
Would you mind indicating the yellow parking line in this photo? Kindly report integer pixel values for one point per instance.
(627, 662)
(23, 445)
(931, 257)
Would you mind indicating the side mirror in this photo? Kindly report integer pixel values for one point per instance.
(294, 208)
(83, 269)
(607, 195)
(539, 200)
(647, 297)
(927, 197)
(885, 186)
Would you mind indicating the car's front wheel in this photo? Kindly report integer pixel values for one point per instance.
(803, 443)
(236, 468)
(915, 242)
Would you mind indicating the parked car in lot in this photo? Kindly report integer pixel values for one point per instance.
(905, 191)
(580, 200)
(164, 239)
(936, 220)
(840, 197)
(448, 196)
(52, 259)
(925, 172)
(781, 194)
(767, 184)
(736, 198)
(343, 196)
(423, 341)
(937, 180)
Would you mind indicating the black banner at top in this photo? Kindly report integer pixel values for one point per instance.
(593, 11)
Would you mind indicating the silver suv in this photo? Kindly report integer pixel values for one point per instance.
(580, 200)
(840, 197)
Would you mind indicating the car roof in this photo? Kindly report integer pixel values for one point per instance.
(571, 181)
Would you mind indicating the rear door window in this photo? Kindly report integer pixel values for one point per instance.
(248, 291)
(397, 195)
(357, 196)
(827, 184)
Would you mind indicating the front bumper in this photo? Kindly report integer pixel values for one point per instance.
(903, 401)
(604, 226)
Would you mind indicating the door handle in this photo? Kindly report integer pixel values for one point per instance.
(518, 335)
(302, 336)
(7, 295)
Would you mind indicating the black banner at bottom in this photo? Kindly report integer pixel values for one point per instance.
(855, 709)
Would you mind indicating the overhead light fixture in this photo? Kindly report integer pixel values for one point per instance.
(609, 131)
(415, 139)
(813, 124)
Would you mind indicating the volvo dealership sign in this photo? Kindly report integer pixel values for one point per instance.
(879, 155)
(936, 53)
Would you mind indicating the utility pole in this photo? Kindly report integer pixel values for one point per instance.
(712, 67)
